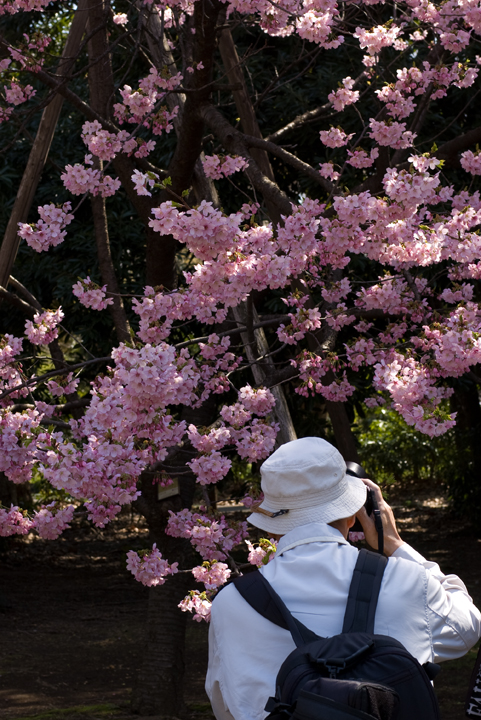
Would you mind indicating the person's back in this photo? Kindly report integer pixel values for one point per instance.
(429, 613)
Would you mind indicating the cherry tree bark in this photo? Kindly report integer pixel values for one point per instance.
(244, 106)
(40, 149)
(101, 95)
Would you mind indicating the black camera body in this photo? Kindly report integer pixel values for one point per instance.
(371, 505)
(356, 470)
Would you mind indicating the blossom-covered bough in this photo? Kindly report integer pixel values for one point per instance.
(373, 249)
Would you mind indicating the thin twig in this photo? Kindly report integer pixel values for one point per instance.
(52, 373)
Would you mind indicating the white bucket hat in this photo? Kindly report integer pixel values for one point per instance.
(305, 481)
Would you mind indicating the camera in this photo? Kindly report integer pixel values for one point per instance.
(356, 470)
(371, 505)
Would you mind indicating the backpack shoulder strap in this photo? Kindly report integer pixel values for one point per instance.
(261, 596)
(364, 592)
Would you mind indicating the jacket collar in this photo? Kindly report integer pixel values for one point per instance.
(305, 534)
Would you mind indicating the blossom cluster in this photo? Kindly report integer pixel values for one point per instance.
(44, 328)
(10, 369)
(141, 106)
(216, 166)
(345, 95)
(150, 568)
(81, 178)
(262, 552)
(14, 522)
(106, 145)
(254, 438)
(91, 295)
(212, 573)
(50, 521)
(197, 603)
(65, 386)
(212, 538)
(17, 94)
(49, 230)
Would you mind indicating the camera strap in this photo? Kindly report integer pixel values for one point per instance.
(378, 525)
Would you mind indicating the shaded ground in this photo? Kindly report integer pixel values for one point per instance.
(72, 620)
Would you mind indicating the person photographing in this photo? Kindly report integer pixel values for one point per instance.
(310, 503)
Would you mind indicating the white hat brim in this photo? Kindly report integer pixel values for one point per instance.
(346, 505)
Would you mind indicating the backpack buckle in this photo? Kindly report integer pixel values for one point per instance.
(278, 709)
(333, 665)
(334, 670)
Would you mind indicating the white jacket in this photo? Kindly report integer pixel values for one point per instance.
(430, 613)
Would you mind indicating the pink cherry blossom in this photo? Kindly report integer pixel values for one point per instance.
(360, 159)
(91, 295)
(14, 522)
(335, 137)
(327, 171)
(471, 162)
(80, 179)
(216, 167)
(16, 94)
(50, 521)
(259, 401)
(49, 230)
(261, 553)
(44, 327)
(198, 604)
(377, 38)
(212, 573)
(392, 134)
(66, 386)
(210, 468)
(150, 568)
(344, 96)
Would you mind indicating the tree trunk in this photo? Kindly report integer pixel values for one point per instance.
(345, 440)
(159, 688)
(244, 107)
(101, 88)
(40, 149)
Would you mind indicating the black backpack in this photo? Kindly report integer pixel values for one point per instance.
(352, 676)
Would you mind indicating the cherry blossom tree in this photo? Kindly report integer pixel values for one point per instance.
(323, 246)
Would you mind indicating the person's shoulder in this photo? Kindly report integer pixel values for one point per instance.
(404, 573)
(226, 593)
(227, 601)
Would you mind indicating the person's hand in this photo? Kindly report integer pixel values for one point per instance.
(392, 539)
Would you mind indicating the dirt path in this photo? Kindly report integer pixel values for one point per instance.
(72, 619)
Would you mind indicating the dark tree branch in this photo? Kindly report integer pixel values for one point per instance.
(233, 141)
(310, 116)
(62, 407)
(450, 149)
(27, 295)
(53, 373)
(289, 159)
(13, 299)
(306, 118)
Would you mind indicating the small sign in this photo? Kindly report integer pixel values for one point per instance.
(166, 492)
